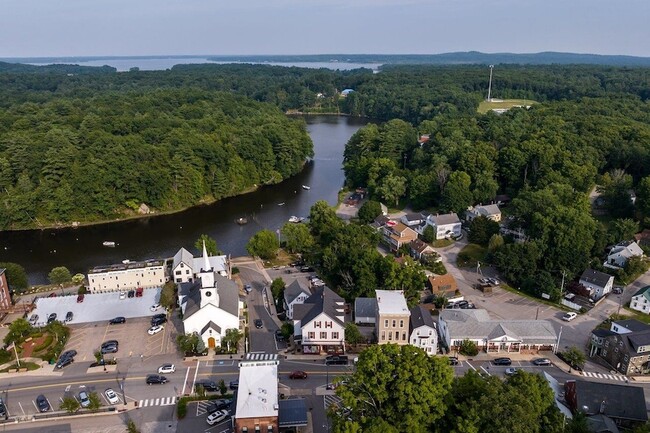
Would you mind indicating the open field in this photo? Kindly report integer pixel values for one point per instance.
(486, 106)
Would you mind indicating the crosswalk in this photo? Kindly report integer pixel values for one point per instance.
(606, 376)
(164, 401)
(331, 400)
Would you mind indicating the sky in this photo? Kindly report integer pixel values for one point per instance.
(57, 28)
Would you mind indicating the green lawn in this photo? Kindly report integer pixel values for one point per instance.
(472, 253)
(486, 106)
(441, 243)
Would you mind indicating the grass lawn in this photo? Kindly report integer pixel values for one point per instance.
(283, 258)
(23, 364)
(441, 243)
(472, 253)
(485, 106)
(633, 314)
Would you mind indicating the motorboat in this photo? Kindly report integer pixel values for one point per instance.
(294, 219)
(108, 243)
(306, 187)
(241, 221)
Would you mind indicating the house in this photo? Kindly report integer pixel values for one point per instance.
(424, 138)
(210, 306)
(420, 248)
(601, 424)
(380, 222)
(442, 285)
(319, 322)
(396, 234)
(346, 92)
(294, 294)
(422, 330)
(531, 336)
(365, 311)
(626, 347)
(597, 341)
(641, 300)
(5, 295)
(186, 267)
(445, 226)
(598, 283)
(127, 275)
(412, 219)
(257, 401)
(624, 404)
(490, 211)
(643, 238)
(393, 315)
(621, 253)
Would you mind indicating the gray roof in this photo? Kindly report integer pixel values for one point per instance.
(413, 216)
(226, 289)
(476, 324)
(638, 339)
(632, 325)
(365, 307)
(293, 290)
(596, 278)
(292, 412)
(324, 300)
(615, 401)
(419, 245)
(601, 424)
(212, 325)
(601, 332)
(450, 218)
(183, 256)
(490, 209)
(420, 316)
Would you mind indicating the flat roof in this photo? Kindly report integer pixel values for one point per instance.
(391, 302)
(126, 266)
(257, 395)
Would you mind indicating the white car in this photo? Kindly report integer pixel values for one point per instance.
(155, 307)
(166, 369)
(569, 316)
(155, 329)
(217, 417)
(111, 396)
(122, 295)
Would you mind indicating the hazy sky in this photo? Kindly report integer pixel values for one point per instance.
(30, 28)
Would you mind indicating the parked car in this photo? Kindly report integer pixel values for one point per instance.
(220, 404)
(80, 298)
(109, 349)
(158, 319)
(155, 329)
(461, 304)
(69, 316)
(138, 292)
(51, 318)
(3, 409)
(42, 403)
(63, 362)
(306, 269)
(259, 324)
(234, 384)
(131, 293)
(217, 417)
(117, 321)
(33, 320)
(569, 316)
(298, 375)
(511, 371)
(208, 385)
(84, 399)
(279, 335)
(453, 360)
(122, 295)
(110, 343)
(166, 368)
(155, 307)
(336, 360)
(111, 396)
(493, 281)
(502, 361)
(617, 290)
(542, 362)
(156, 379)
(69, 354)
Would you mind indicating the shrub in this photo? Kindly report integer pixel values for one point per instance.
(468, 348)
(45, 344)
(181, 409)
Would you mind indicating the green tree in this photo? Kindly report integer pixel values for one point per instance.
(370, 210)
(297, 238)
(643, 196)
(231, 339)
(131, 427)
(496, 242)
(482, 229)
(70, 404)
(394, 386)
(468, 348)
(16, 276)
(574, 357)
(188, 343)
(287, 330)
(323, 221)
(457, 197)
(428, 234)
(391, 188)
(210, 245)
(59, 275)
(263, 244)
(94, 401)
(578, 424)
(352, 334)
(78, 278)
(168, 295)
(18, 331)
(623, 230)
(277, 289)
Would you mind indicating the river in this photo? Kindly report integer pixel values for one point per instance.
(38, 251)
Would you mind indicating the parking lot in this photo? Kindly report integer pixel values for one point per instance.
(96, 307)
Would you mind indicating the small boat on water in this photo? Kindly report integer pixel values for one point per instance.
(294, 219)
(281, 204)
(306, 187)
(241, 221)
(108, 243)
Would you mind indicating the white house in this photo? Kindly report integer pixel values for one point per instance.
(424, 333)
(210, 305)
(490, 211)
(320, 322)
(185, 267)
(598, 283)
(445, 226)
(127, 275)
(621, 253)
(294, 294)
(412, 219)
(641, 300)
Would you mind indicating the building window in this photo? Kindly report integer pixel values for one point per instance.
(323, 335)
(401, 323)
(335, 335)
(390, 336)
(386, 323)
(404, 336)
(317, 325)
(311, 335)
(606, 343)
(383, 335)
(328, 324)
(625, 358)
(178, 272)
(394, 323)
(604, 352)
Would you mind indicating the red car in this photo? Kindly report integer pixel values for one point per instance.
(298, 375)
(80, 299)
(52, 295)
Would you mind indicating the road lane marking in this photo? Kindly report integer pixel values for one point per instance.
(53, 385)
(187, 373)
(196, 372)
(486, 372)
(471, 366)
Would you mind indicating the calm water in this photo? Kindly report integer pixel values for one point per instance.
(158, 237)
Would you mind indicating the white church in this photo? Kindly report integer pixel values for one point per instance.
(210, 304)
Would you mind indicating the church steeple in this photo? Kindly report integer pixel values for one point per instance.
(207, 273)
(206, 261)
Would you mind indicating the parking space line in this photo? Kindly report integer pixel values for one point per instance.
(486, 372)
(21, 408)
(471, 366)
(35, 407)
(187, 373)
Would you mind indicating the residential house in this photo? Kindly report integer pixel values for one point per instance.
(442, 285)
(379, 222)
(365, 311)
(210, 306)
(346, 92)
(422, 329)
(531, 336)
(5, 295)
(643, 238)
(641, 300)
(319, 323)
(597, 341)
(127, 275)
(626, 348)
(396, 234)
(412, 219)
(598, 283)
(445, 226)
(490, 211)
(621, 253)
(420, 248)
(257, 401)
(393, 315)
(624, 404)
(294, 294)
(186, 267)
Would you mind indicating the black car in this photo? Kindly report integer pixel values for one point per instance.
(220, 404)
(117, 321)
(3, 408)
(63, 362)
(110, 343)
(131, 294)
(156, 379)
(279, 335)
(453, 360)
(42, 403)
(69, 354)
(336, 360)
(258, 323)
(158, 319)
(306, 269)
(69, 316)
(51, 318)
(208, 385)
(502, 361)
(234, 384)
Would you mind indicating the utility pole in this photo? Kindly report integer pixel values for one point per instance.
(489, 98)
(562, 286)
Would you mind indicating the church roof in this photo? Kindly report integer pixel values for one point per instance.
(211, 325)
(228, 296)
